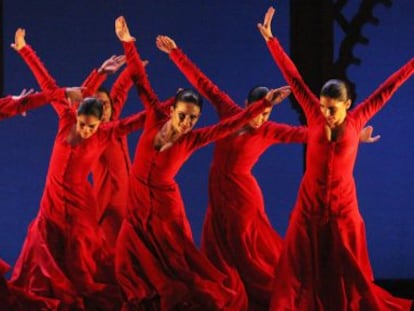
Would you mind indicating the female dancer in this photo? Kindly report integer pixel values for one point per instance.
(156, 258)
(64, 256)
(324, 264)
(111, 172)
(11, 298)
(237, 233)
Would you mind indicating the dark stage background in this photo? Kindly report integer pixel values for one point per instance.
(73, 37)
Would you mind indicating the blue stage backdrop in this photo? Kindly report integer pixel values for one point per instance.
(73, 37)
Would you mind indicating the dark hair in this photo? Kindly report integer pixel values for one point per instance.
(335, 89)
(257, 93)
(189, 96)
(105, 91)
(91, 106)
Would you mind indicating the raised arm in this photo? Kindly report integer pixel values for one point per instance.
(232, 124)
(45, 80)
(95, 79)
(135, 65)
(119, 93)
(120, 90)
(364, 111)
(307, 100)
(221, 101)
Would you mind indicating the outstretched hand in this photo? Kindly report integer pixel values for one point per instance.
(165, 44)
(23, 93)
(122, 31)
(266, 28)
(112, 64)
(276, 96)
(366, 135)
(19, 39)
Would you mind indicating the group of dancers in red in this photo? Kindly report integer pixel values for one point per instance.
(124, 242)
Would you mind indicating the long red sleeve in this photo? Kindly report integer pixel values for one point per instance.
(284, 133)
(229, 125)
(43, 77)
(306, 99)
(119, 93)
(224, 105)
(45, 80)
(139, 76)
(364, 111)
(127, 125)
(93, 82)
(10, 107)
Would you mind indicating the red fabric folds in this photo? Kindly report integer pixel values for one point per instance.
(324, 264)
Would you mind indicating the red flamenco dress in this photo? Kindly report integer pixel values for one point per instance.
(324, 264)
(110, 173)
(12, 298)
(237, 234)
(157, 264)
(65, 256)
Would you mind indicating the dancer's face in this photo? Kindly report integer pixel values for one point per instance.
(258, 121)
(87, 125)
(334, 110)
(107, 107)
(184, 116)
